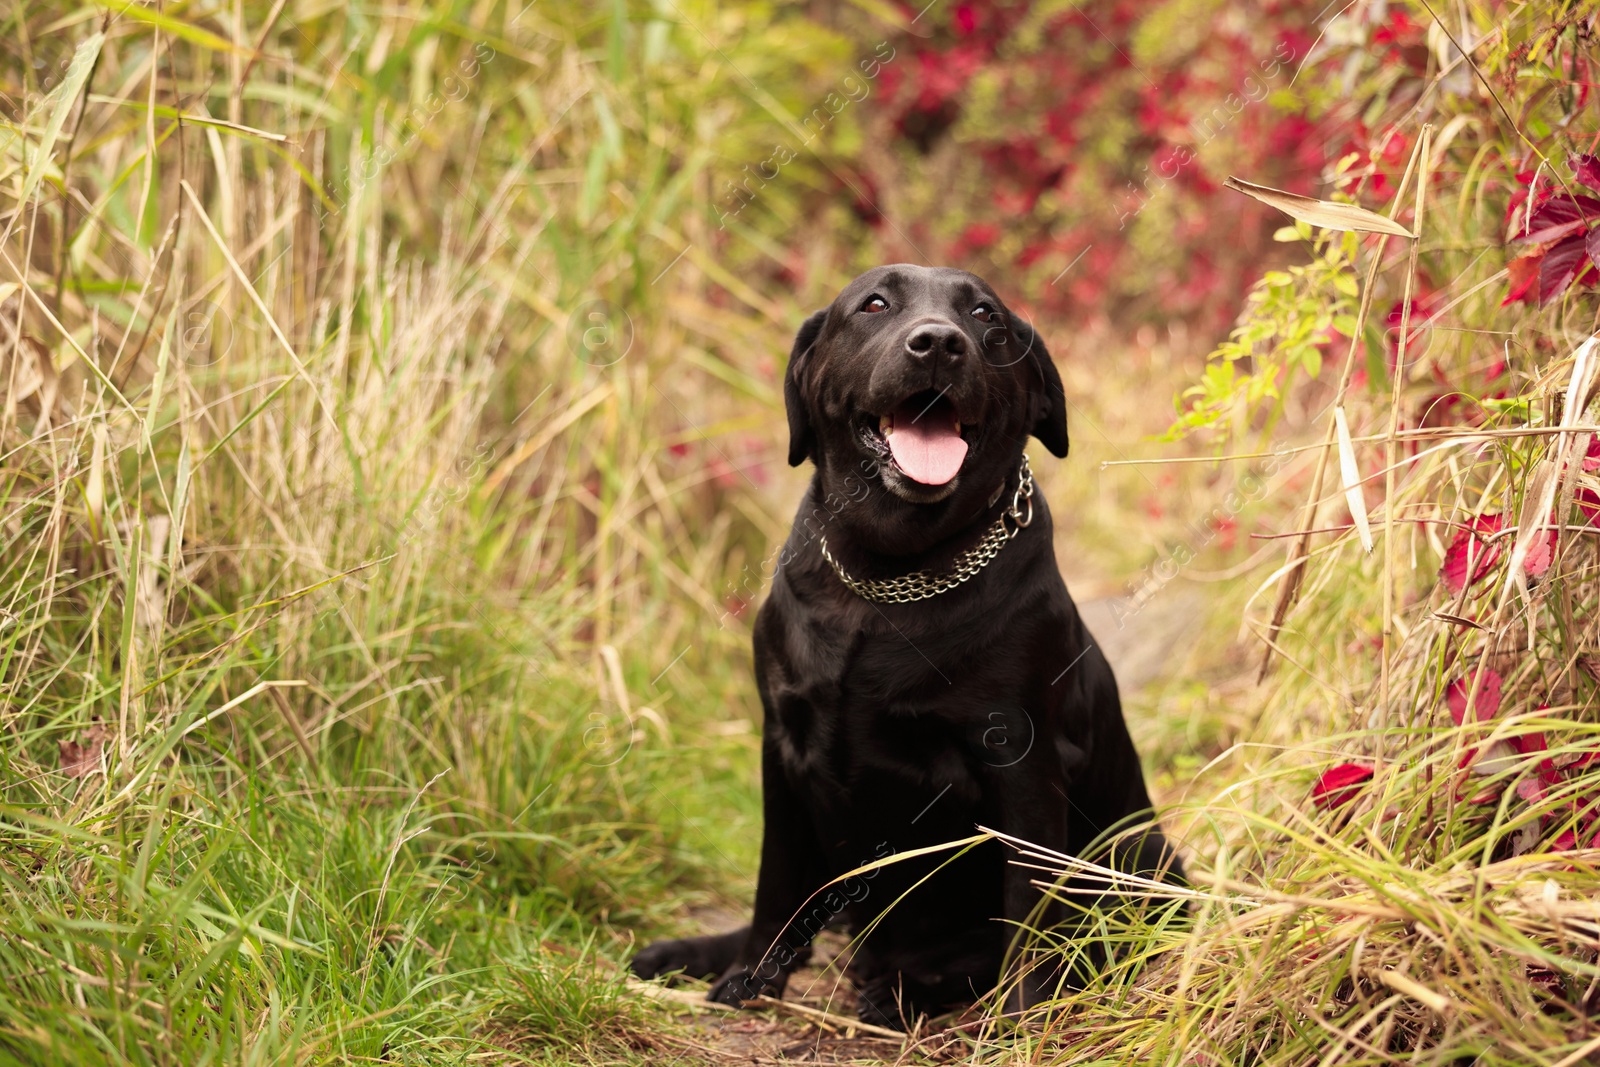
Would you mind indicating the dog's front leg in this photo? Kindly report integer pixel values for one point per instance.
(1030, 802)
(790, 869)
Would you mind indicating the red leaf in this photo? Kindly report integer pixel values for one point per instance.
(1524, 274)
(1528, 744)
(1339, 785)
(1540, 552)
(1566, 841)
(1588, 502)
(1591, 457)
(1486, 705)
(1587, 170)
(1558, 217)
(1532, 790)
(1560, 267)
(1533, 744)
(1469, 557)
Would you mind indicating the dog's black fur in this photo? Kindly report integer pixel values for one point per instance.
(892, 727)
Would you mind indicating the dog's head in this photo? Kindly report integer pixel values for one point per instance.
(920, 381)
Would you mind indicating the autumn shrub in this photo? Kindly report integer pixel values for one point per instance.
(1080, 148)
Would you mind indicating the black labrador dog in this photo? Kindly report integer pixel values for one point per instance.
(922, 668)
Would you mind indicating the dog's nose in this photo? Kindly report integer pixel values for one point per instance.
(934, 340)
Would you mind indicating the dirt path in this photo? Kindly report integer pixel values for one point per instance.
(815, 1024)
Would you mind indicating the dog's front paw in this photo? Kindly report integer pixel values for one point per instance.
(743, 983)
(881, 1002)
(875, 1014)
(689, 957)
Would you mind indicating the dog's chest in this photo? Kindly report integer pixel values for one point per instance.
(865, 719)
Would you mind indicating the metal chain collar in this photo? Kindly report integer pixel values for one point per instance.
(920, 585)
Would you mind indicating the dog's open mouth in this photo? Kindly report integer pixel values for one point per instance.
(923, 435)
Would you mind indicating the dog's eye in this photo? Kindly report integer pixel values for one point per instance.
(875, 303)
(985, 313)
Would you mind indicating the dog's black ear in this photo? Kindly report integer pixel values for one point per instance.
(801, 438)
(1049, 398)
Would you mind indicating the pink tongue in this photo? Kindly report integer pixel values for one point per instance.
(927, 451)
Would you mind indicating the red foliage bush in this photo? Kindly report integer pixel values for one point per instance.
(1083, 147)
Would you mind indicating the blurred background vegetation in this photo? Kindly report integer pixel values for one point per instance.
(391, 456)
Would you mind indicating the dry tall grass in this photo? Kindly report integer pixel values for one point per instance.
(347, 560)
